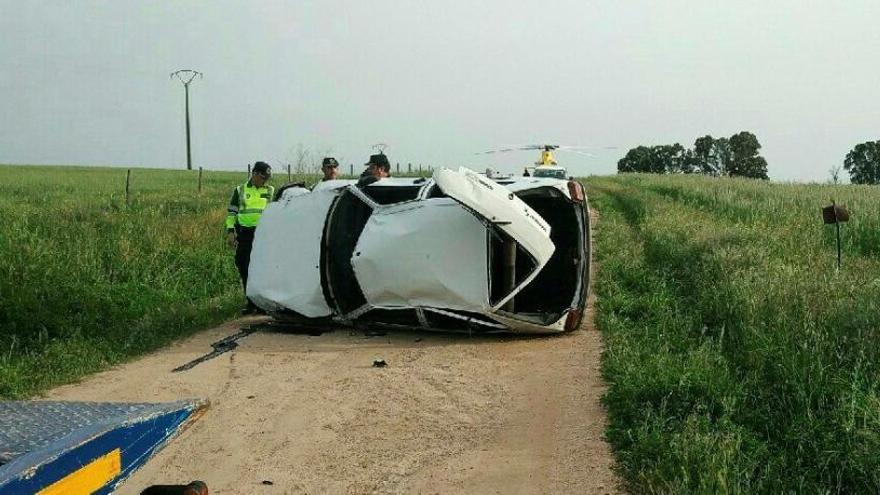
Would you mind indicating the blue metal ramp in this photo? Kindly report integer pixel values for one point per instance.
(82, 447)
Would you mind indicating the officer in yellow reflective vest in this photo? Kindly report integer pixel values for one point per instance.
(245, 208)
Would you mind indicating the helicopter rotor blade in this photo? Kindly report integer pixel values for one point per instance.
(583, 150)
(504, 150)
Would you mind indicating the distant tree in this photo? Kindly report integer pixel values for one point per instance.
(662, 159)
(638, 159)
(744, 158)
(669, 157)
(863, 163)
(705, 160)
(834, 172)
(723, 156)
(689, 163)
(734, 156)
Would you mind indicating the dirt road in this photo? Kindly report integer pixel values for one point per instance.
(449, 414)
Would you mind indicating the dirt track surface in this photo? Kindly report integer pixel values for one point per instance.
(449, 414)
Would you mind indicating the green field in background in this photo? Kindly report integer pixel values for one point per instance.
(738, 361)
(87, 281)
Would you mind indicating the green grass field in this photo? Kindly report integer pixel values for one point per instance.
(87, 281)
(738, 361)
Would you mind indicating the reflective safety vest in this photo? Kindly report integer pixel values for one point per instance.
(247, 204)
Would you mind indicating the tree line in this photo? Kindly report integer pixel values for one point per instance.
(736, 156)
(863, 163)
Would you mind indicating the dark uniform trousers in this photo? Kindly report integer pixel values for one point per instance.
(245, 236)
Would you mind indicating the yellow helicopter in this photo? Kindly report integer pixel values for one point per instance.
(546, 166)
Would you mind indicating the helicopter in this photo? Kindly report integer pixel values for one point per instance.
(546, 166)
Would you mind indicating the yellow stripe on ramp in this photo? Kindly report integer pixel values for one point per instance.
(88, 478)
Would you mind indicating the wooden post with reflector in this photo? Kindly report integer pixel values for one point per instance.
(835, 214)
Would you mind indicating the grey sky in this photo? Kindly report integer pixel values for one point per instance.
(87, 82)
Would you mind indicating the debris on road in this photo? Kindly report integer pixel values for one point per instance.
(223, 345)
(379, 363)
(194, 488)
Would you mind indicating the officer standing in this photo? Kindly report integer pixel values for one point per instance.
(378, 167)
(244, 211)
(330, 169)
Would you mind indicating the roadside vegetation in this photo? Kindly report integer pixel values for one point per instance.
(738, 361)
(88, 281)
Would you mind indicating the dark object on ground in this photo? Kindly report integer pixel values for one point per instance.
(251, 309)
(194, 488)
(379, 363)
(289, 326)
(268, 482)
(223, 345)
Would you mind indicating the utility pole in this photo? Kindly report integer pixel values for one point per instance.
(186, 76)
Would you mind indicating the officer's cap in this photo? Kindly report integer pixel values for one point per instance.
(262, 168)
(379, 160)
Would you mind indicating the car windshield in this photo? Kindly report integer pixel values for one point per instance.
(555, 173)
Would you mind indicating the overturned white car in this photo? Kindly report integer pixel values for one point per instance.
(456, 251)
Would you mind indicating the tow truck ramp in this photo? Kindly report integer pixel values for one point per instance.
(54, 448)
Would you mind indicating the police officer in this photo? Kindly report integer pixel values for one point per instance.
(330, 169)
(244, 211)
(378, 167)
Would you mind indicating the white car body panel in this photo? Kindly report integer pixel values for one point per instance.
(498, 205)
(523, 326)
(288, 247)
(429, 253)
(325, 185)
(523, 183)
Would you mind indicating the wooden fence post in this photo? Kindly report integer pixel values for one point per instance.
(288, 173)
(200, 180)
(351, 169)
(127, 182)
(249, 169)
(409, 168)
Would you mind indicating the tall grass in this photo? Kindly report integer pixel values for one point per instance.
(738, 360)
(87, 281)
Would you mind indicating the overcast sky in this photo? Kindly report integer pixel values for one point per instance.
(88, 82)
